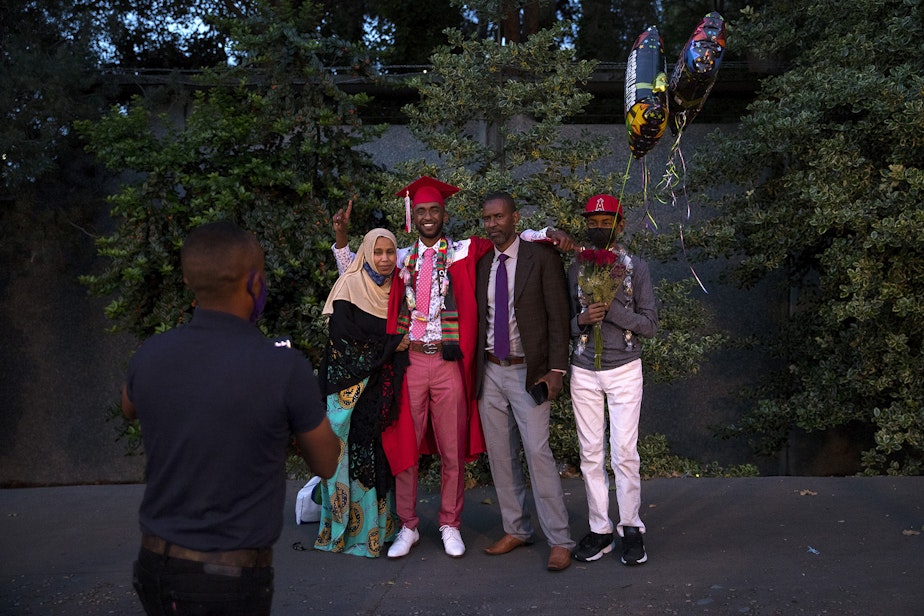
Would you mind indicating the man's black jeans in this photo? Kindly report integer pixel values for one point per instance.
(172, 586)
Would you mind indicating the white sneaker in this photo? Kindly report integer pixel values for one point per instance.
(452, 541)
(406, 539)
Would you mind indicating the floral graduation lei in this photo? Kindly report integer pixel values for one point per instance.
(449, 316)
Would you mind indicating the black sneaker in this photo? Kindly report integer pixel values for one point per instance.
(593, 546)
(633, 547)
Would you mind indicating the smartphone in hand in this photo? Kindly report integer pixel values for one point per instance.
(539, 392)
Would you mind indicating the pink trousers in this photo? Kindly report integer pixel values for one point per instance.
(437, 398)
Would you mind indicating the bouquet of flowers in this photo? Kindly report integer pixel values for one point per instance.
(600, 274)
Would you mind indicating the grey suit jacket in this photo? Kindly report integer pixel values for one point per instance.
(541, 310)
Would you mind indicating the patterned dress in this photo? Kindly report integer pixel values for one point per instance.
(359, 374)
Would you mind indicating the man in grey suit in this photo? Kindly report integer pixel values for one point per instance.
(523, 335)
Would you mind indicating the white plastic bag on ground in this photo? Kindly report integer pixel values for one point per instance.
(306, 510)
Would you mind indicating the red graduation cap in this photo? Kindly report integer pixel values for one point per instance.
(424, 190)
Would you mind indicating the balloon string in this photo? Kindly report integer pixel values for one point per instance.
(622, 192)
(671, 176)
(687, 258)
(683, 183)
(646, 179)
(670, 180)
(625, 180)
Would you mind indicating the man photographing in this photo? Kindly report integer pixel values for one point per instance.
(218, 404)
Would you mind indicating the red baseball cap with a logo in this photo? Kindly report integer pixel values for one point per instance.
(603, 204)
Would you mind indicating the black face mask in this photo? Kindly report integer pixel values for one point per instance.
(600, 238)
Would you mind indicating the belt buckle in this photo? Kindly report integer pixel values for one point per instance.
(429, 348)
(504, 362)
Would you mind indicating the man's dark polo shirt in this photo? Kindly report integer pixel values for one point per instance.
(218, 403)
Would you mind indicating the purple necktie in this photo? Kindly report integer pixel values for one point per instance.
(501, 316)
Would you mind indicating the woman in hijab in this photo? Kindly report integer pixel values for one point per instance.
(361, 373)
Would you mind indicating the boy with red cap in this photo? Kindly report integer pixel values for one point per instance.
(436, 308)
(609, 374)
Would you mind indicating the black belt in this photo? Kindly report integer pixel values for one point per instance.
(510, 361)
(427, 348)
(247, 558)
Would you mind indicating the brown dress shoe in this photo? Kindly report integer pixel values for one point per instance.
(559, 559)
(505, 544)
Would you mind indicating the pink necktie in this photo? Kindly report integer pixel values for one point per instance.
(501, 316)
(424, 283)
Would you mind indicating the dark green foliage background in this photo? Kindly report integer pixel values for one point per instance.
(823, 180)
(269, 143)
(828, 169)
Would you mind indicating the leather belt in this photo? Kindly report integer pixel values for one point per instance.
(427, 348)
(510, 361)
(247, 558)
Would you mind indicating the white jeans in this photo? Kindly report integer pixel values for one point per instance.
(621, 390)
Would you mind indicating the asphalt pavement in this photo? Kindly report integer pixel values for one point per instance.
(763, 545)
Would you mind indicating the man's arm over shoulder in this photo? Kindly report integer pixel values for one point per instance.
(479, 246)
(470, 250)
(549, 236)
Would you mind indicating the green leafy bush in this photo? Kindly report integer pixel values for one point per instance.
(269, 142)
(830, 186)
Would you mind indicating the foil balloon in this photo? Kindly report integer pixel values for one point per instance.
(646, 92)
(695, 71)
